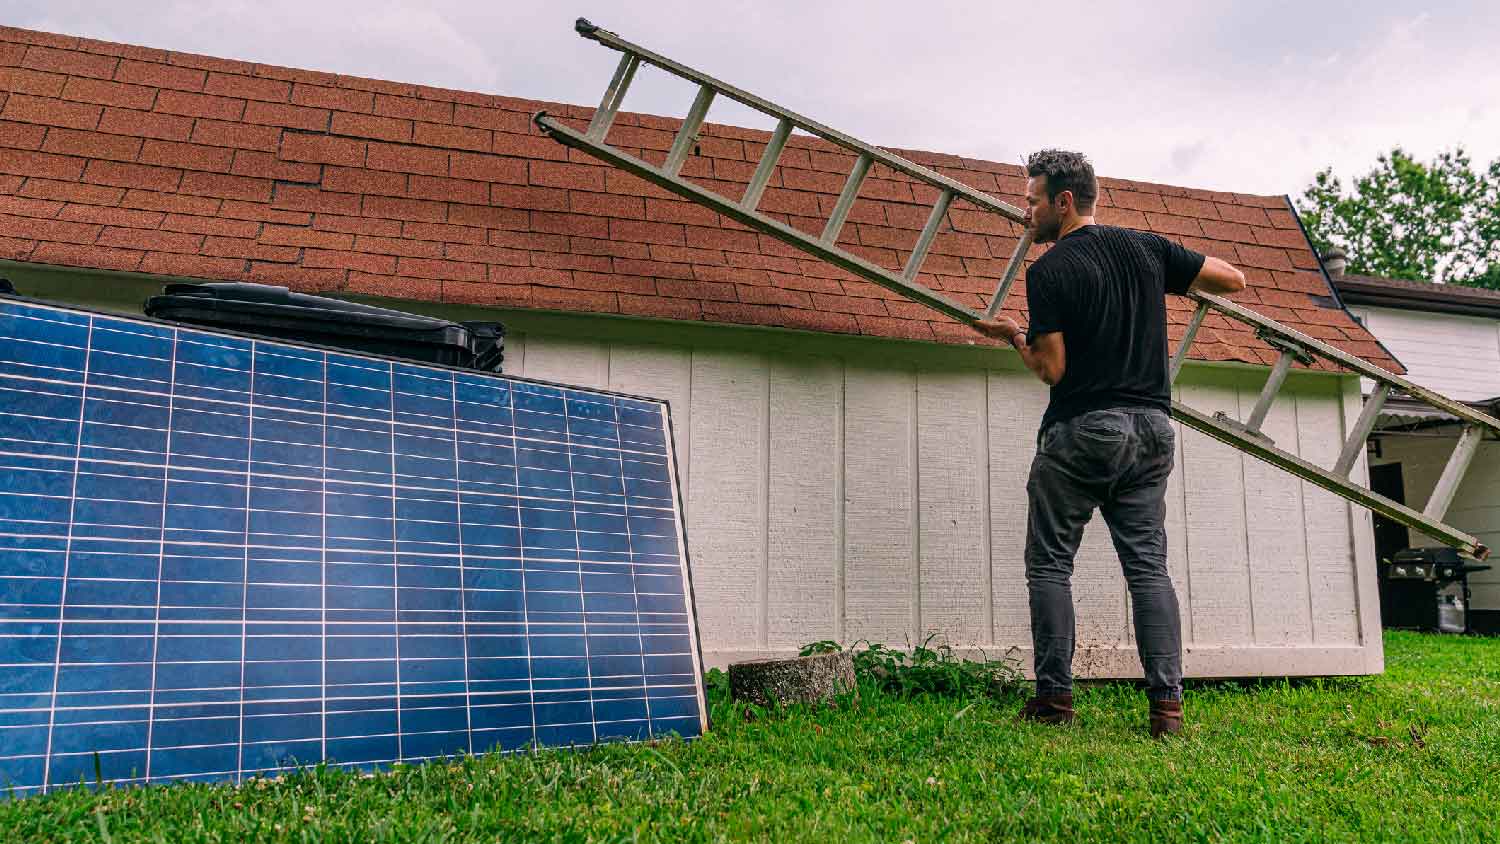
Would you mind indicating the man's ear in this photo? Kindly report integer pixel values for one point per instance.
(1064, 203)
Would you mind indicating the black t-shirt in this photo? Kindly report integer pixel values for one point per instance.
(1105, 289)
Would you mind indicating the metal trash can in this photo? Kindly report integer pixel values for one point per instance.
(1427, 589)
(273, 311)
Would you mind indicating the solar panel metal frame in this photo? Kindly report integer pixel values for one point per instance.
(8, 786)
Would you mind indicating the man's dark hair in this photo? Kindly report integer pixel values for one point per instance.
(1065, 171)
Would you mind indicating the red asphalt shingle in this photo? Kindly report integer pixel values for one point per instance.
(122, 157)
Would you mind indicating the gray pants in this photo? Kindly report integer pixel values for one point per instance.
(1116, 460)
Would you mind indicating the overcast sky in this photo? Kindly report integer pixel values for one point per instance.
(1250, 96)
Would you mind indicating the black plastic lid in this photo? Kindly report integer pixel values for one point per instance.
(275, 311)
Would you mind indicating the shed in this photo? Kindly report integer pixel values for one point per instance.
(853, 464)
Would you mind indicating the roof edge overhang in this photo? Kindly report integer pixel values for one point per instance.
(1438, 301)
(1400, 415)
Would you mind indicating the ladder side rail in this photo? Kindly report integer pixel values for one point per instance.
(833, 136)
(1348, 361)
(569, 137)
(1335, 484)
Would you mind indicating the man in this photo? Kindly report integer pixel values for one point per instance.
(1098, 337)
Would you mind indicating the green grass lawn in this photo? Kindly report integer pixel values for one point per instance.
(1413, 755)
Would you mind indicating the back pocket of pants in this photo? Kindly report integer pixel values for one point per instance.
(1102, 426)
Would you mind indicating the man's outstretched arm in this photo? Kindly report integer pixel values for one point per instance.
(1047, 358)
(1218, 276)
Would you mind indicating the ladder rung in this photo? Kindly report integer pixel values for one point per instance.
(1187, 339)
(929, 234)
(767, 166)
(613, 96)
(1268, 393)
(1453, 473)
(845, 204)
(688, 134)
(1361, 433)
(1012, 269)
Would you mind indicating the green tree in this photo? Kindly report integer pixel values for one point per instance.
(1438, 221)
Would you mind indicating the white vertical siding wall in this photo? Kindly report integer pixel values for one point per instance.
(861, 495)
(1453, 354)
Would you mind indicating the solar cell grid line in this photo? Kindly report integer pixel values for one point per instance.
(323, 561)
(161, 560)
(282, 692)
(497, 670)
(604, 528)
(248, 530)
(365, 721)
(45, 470)
(239, 725)
(588, 667)
(635, 592)
(559, 662)
(427, 542)
(198, 637)
(463, 601)
(130, 367)
(67, 555)
(108, 605)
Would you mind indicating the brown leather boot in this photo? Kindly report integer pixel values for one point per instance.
(1048, 709)
(1166, 717)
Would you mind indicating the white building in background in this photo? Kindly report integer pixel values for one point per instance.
(1448, 337)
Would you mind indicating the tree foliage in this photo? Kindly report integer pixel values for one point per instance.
(1434, 221)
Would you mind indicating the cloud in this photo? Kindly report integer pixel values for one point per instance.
(1185, 156)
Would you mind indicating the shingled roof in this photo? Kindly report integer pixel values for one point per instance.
(129, 158)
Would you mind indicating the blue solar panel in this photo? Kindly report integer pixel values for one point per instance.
(220, 556)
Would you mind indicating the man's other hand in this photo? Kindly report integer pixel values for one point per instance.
(1000, 327)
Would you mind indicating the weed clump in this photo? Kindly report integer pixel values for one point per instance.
(928, 669)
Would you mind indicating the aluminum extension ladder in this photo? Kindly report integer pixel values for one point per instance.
(1243, 435)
